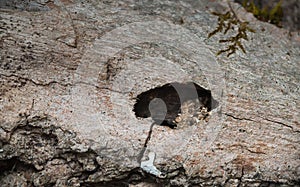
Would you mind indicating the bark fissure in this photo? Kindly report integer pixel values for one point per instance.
(266, 119)
(238, 118)
(145, 144)
(281, 123)
(69, 78)
(62, 84)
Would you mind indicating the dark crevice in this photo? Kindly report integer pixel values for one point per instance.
(241, 177)
(140, 156)
(14, 164)
(273, 121)
(237, 118)
(15, 167)
(278, 122)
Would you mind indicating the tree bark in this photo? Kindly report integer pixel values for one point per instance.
(70, 72)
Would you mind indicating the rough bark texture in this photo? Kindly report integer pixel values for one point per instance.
(70, 72)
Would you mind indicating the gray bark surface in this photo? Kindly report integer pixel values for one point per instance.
(70, 72)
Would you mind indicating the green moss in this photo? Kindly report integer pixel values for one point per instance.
(229, 21)
(273, 15)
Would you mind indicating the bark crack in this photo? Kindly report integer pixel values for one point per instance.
(266, 119)
(140, 156)
(283, 124)
(35, 82)
(238, 118)
(240, 178)
(45, 84)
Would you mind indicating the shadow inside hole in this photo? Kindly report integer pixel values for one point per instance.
(163, 103)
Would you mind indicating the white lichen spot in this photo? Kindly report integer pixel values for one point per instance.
(148, 166)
